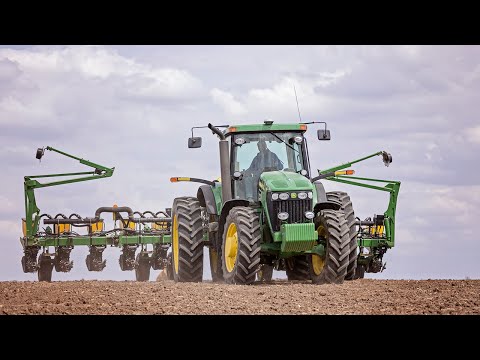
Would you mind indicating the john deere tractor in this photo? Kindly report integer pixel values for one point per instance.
(270, 211)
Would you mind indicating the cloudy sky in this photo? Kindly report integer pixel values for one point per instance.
(132, 107)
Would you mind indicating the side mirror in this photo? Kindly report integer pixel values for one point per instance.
(323, 134)
(194, 142)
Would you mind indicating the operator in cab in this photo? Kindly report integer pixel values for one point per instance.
(264, 160)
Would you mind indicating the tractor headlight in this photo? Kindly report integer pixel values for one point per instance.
(310, 195)
(309, 215)
(302, 195)
(283, 216)
(275, 196)
(284, 196)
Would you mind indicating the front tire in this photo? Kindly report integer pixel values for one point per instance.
(241, 246)
(298, 268)
(332, 268)
(187, 240)
(347, 207)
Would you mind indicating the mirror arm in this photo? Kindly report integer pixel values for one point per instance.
(315, 122)
(203, 127)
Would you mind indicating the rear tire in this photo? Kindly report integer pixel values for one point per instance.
(298, 268)
(142, 268)
(187, 240)
(241, 246)
(332, 226)
(347, 207)
(45, 268)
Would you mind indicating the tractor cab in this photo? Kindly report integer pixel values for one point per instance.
(253, 153)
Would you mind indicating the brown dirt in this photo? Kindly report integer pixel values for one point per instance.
(166, 297)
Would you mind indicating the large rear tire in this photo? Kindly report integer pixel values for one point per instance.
(187, 240)
(331, 269)
(298, 268)
(241, 246)
(347, 207)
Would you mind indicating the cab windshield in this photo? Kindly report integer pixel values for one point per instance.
(253, 154)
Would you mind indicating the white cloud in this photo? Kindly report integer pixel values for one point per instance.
(283, 91)
(325, 79)
(8, 70)
(278, 100)
(280, 97)
(411, 50)
(9, 206)
(473, 134)
(98, 63)
(227, 102)
(11, 229)
(167, 83)
(20, 112)
(93, 61)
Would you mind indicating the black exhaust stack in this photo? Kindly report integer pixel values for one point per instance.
(224, 164)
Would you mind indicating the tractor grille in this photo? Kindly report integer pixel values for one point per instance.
(296, 209)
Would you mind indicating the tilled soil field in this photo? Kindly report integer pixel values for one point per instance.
(280, 297)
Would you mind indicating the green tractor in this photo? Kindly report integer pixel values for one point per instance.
(269, 211)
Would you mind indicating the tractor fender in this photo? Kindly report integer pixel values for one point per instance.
(229, 205)
(207, 199)
(322, 202)
(330, 205)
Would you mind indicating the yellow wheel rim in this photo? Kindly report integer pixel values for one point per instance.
(318, 262)
(214, 260)
(231, 247)
(175, 244)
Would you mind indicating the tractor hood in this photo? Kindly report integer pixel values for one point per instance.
(284, 181)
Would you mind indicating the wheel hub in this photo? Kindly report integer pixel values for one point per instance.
(231, 247)
(318, 262)
(175, 244)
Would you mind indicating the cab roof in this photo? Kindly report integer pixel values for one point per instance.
(265, 127)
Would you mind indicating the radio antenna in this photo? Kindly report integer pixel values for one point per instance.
(298, 107)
